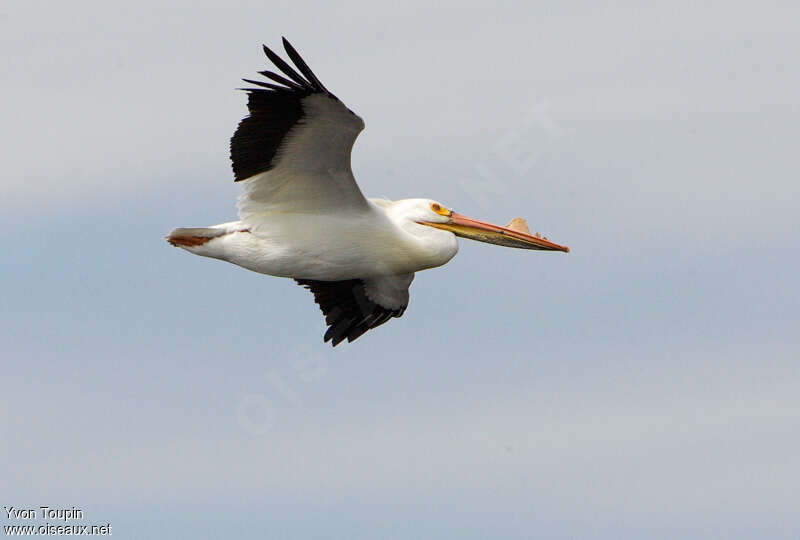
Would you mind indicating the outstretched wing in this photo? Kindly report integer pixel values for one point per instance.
(353, 306)
(292, 152)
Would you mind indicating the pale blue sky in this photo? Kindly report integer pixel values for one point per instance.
(645, 385)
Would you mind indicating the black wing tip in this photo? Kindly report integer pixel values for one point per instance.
(290, 84)
(344, 313)
(337, 333)
(303, 67)
(269, 86)
(306, 83)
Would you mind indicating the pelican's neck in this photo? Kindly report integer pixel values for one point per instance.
(428, 246)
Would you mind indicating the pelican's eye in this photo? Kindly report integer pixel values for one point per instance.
(439, 209)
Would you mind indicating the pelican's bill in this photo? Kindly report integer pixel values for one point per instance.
(473, 229)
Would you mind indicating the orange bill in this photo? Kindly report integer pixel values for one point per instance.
(473, 229)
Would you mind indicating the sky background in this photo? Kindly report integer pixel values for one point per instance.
(645, 385)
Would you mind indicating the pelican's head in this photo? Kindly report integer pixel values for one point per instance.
(516, 234)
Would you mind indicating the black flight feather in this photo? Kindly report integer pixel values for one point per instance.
(264, 85)
(349, 313)
(259, 135)
(303, 67)
(283, 80)
(286, 68)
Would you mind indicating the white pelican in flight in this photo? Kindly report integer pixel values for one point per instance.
(303, 215)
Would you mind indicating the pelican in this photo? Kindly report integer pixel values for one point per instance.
(302, 215)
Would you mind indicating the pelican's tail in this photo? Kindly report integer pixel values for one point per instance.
(193, 237)
(189, 237)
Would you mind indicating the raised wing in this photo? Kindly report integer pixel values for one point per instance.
(353, 306)
(292, 152)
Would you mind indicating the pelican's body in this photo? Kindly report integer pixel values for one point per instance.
(304, 217)
(380, 240)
